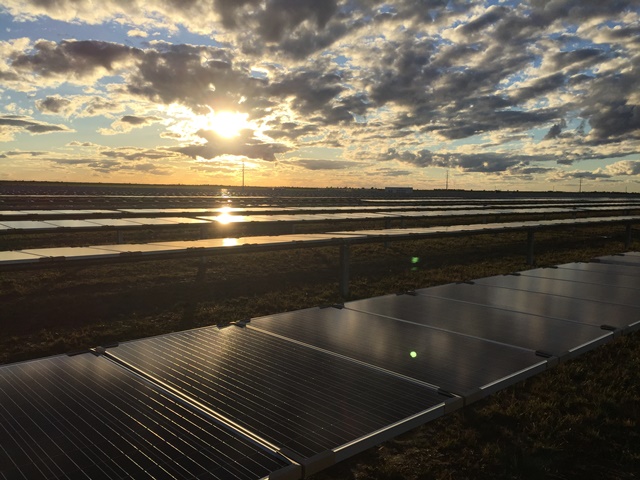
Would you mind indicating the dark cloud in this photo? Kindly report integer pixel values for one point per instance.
(135, 154)
(191, 75)
(555, 130)
(98, 106)
(81, 144)
(490, 17)
(112, 166)
(32, 126)
(21, 153)
(139, 121)
(290, 130)
(245, 146)
(53, 104)
(615, 121)
(485, 162)
(72, 58)
(280, 17)
(317, 164)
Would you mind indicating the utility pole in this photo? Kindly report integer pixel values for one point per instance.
(580, 187)
(446, 185)
(243, 176)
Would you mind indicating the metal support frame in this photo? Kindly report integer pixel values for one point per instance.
(120, 237)
(530, 252)
(628, 240)
(344, 270)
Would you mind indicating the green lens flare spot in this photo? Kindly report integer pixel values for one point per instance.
(415, 259)
(414, 354)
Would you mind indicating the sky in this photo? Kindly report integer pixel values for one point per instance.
(465, 94)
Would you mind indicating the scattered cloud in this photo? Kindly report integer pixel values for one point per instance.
(492, 89)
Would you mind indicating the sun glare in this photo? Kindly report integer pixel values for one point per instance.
(227, 124)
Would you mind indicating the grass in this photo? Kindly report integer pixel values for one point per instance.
(579, 420)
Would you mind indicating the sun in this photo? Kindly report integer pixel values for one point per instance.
(227, 124)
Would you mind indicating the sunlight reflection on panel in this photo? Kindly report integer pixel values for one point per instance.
(230, 242)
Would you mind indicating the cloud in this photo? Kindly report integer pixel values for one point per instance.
(73, 60)
(318, 164)
(55, 105)
(489, 88)
(244, 146)
(13, 124)
(137, 33)
(129, 122)
(624, 167)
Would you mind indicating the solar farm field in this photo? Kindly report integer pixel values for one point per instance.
(581, 419)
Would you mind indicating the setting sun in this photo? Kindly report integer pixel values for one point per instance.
(227, 124)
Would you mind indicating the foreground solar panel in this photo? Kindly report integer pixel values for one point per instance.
(459, 364)
(553, 336)
(86, 417)
(594, 273)
(620, 295)
(315, 407)
(622, 259)
(594, 309)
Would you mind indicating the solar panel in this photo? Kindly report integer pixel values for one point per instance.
(519, 326)
(114, 222)
(610, 277)
(463, 365)
(15, 257)
(86, 417)
(72, 252)
(13, 213)
(156, 221)
(184, 220)
(595, 267)
(142, 248)
(28, 225)
(572, 309)
(623, 259)
(72, 223)
(310, 404)
(612, 306)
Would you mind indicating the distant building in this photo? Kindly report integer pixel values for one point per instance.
(398, 190)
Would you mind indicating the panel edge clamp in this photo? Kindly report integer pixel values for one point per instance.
(542, 354)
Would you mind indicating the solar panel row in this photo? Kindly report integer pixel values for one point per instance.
(289, 394)
(129, 252)
(61, 213)
(54, 219)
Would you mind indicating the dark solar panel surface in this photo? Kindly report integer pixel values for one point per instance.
(631, 260)
(86, 417)
(603, 268)
(297, 398)
(550, 335)
(600, 295)
(610, 278)
(572, 309)
(453, 362)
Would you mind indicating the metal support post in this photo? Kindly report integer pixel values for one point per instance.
(530, 254)
(344, 270)
(120, 237)
(628, 238)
